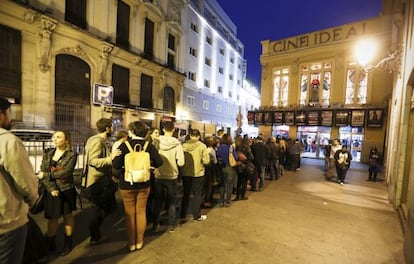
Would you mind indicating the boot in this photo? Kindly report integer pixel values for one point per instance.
(51, 244)
(67, 245)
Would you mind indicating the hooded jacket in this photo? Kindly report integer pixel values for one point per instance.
(196, 156)
(18, 183)
(172, 155)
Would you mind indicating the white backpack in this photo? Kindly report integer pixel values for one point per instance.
(137, 164)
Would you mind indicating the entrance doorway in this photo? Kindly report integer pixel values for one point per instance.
(314, 139)
(353, 138)
(281, 131)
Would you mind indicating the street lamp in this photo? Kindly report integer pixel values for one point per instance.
(365, 52)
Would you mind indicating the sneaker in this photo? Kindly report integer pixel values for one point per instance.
(228, 204)
(341, 183)
(172, 229)
(201, 218)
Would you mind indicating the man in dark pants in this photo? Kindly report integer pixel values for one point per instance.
(98, 179)
(260, 153)
(166, 176)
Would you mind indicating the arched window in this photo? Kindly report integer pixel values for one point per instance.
(280, 87)
(356, 84)
(315, 85)
(169, 101)
(72, 96)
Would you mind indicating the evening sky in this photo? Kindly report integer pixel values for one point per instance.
(260, 20)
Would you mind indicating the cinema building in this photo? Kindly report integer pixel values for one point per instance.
(314, 89)
(323, 85)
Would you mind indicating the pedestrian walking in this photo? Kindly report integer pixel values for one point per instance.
(373, 164)
(342, 162)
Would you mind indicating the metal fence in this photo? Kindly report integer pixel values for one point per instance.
(35, 149)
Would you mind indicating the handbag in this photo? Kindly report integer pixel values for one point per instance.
(39, 205)
(241, 156)
(232, 160)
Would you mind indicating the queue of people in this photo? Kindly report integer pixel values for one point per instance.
(197, 173)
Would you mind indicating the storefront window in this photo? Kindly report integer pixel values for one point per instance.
(315, 84)
(356, 85)
(280, 90)
(353, 138)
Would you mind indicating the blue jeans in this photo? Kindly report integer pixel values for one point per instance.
(229, 175)
(171, 187)
(260, 170)
(12, 245)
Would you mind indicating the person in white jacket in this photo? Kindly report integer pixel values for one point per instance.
(166, 176)
(18, 187)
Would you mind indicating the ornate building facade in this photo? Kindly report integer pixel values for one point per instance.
(386, 84)
(69, 63)
(314, 89)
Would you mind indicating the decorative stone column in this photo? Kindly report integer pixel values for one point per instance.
(103, 64)
(48, 25)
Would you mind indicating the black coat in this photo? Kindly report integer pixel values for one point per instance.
(260, 153)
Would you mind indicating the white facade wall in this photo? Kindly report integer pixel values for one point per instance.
(223, 93)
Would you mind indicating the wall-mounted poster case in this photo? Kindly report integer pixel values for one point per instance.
(342, 117)
(358, 118)
(326, 117)
(268, 118)
(313, 118)
(289, 118)
(278, 118)
(300, 118)
(258, 118)
(375, 117)
(250, 117)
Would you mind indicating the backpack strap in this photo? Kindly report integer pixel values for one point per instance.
(145, 146)
(129, 146)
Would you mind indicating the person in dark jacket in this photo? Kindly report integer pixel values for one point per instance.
(245, 157)
(342, 162)
(274, 152)
(135, 194)
(373, 164)
(56, 172)
(260, 154)
(229, 173)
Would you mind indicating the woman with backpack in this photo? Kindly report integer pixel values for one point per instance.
(134, 190)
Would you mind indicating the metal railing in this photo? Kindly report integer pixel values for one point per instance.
(35, 149)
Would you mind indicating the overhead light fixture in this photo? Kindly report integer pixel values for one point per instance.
(365, 52)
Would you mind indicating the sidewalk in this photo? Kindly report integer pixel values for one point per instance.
(301, 218)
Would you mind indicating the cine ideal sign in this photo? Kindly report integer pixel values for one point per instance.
(102, 94)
